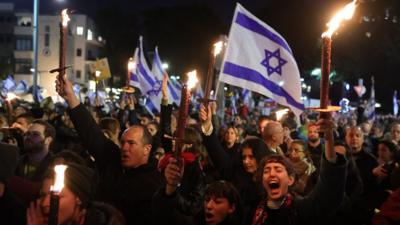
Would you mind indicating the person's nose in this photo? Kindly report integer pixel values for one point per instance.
(209, 204)
(272, 173)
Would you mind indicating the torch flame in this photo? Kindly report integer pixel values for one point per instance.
(345, 14)
(218, 48)
(59, 181)
(64, 17)
(11, 96)
(131, 64)
(192, 79)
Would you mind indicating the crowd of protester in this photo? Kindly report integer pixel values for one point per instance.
(246, 168)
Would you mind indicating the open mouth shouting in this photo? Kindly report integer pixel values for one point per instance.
(209, 218)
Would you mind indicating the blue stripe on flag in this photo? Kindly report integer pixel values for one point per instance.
(134, 77)
(256, 77)
(146, 76)
(151, 107)
(172, 91)
(159, 66)
(256, 27)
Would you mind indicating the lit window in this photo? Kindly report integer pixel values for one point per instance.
(89, 35)
(79, 30)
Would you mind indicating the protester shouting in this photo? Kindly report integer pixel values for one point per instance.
(128, 176)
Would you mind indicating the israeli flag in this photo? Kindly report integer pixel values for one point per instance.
(149, 85)
(22, 87)
(133, 73)
(176, 84)
(257, 58)
(9, 83)
(158, 71)
(247, 97)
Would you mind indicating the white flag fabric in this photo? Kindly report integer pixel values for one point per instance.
(133, 74)
(149, 86)
(257, 58)
(158, 71)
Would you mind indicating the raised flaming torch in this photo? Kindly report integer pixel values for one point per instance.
(55, 191)
(345, 14)
(63, 46)
(183, 112)
(217, 48)
(131, 67)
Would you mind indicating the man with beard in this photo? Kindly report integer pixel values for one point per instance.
(314, 145)
(32, 166)
(37, 157)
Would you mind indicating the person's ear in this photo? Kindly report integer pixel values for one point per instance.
(48, 140)
(291, 180)
(147, 149)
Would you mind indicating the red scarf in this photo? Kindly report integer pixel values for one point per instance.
(187, 157)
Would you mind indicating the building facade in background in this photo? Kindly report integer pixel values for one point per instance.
(7, 22)
(84, 46)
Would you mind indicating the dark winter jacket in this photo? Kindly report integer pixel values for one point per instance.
(130, 190)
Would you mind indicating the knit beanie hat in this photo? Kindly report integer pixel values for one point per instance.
(8, 161)
(81, 180)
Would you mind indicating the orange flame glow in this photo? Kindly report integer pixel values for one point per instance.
(192, 79)
(59, 181)
(345, 14)
(65, 18)
(218, 48)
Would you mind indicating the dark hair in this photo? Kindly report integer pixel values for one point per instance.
(49, 130)
(70, 157)
(109, 123)
(257, 146)
(155, 124)
(27, 116)
(390, 145)
(223, 189)
(275, 158)
(290, 123)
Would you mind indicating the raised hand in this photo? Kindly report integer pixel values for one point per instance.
(173, 175)
(164, 87)
(327, 126)
(205, 117)
(65, 90)
(34, 215)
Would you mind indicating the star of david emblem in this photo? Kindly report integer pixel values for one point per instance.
(156, 89)
(273, 62)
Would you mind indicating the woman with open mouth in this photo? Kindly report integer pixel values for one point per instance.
(276, 174)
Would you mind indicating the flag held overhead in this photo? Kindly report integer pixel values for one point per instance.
(257, 58)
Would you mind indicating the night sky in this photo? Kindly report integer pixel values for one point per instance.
(367, 46)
